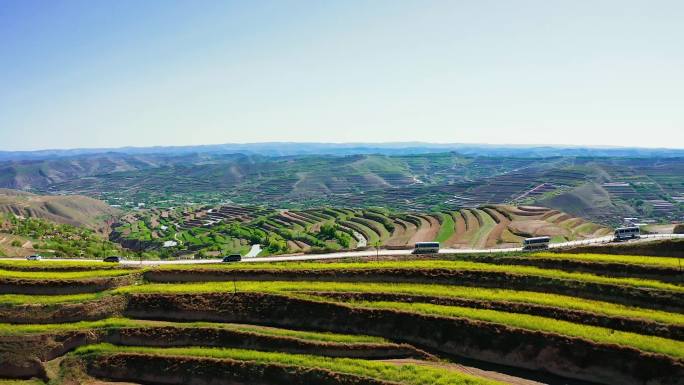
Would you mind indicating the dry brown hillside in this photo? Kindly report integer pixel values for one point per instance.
(75, 210)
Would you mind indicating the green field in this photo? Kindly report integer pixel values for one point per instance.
(447, 228)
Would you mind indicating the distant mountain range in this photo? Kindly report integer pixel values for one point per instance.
(341, 149)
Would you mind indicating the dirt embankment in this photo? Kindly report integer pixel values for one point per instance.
(205, 371)
(64, 286)
(23, 356)
(627, 295)
(578, 316)
(216, 337)
(63, 313)
(489, 342)
(663, 248)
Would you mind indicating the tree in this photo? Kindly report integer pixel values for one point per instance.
(678, 229)
(326, 232)
(377, 245)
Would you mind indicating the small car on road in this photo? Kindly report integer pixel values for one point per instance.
(34, 257)
(113, 259)
(232, 258)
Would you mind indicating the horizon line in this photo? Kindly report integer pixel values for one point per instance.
(398, 144)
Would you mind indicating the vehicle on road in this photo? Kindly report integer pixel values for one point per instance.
(113, 259)
(536, 243)
(232, 258)
(426, 248)
(34, 257)
(625, 233)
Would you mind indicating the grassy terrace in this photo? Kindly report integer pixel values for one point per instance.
(118, 323)
(21, 299)
(24, 265)
(447, 228)
(405, 374)
(655, 338)
(530, 322)
(63, 275)
(607, 258)
(435, 264)
(446, 291)
(480, 237)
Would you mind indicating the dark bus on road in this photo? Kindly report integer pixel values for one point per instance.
(426, 248)
(625, 233)
(536, 243)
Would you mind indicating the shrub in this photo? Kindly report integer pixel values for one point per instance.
(679, 229)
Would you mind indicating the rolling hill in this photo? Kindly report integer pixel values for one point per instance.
(74, 210)
(233, 229)
(602, 189)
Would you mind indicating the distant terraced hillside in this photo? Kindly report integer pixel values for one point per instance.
(231, 229)
(74, 210)
(602, 189)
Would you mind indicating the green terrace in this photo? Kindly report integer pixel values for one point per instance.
(404, 374)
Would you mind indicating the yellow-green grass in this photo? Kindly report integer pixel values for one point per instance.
(447, 228)
(475, 293)
(25, 299)
(21, 382)
(531, 322)
(405, 374)
(437, 264)
(117, 323)
(22, 264)
(63, 275)
(607, 258)
(108, 323)
(479, 239)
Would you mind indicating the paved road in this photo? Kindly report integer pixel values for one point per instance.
(382, 252)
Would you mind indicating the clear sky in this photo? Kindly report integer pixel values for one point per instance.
(112, 73)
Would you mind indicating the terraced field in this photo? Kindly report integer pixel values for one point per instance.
(461, 319)
(232, 229)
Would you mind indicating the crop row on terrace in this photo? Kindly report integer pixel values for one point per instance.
(533, 318)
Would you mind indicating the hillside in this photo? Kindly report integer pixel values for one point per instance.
(20, 237)
(602, 189)
(232, 229)
(74, 210)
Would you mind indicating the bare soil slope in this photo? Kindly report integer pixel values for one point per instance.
(74, 210)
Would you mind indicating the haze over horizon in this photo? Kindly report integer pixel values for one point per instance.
(394, 145)
(77, 74)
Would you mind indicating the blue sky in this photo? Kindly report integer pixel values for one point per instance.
(117, 73)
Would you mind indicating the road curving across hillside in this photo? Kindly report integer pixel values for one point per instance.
(381, 252)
